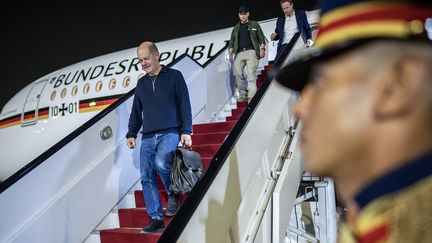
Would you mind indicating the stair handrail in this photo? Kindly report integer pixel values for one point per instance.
(182, 217)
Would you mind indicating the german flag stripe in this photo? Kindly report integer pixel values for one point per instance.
(93, 108)
(102, 98)
(43, 117)
(15, 118)
(43, 114)
(9, 124)
(97, 104)
(31, 114)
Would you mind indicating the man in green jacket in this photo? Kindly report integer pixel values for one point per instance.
(248, 43)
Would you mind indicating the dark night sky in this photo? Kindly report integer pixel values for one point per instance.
(38, 38)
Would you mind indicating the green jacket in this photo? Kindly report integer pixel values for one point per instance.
(256, 35)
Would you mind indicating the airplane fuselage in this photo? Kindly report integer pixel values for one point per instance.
(50, 108)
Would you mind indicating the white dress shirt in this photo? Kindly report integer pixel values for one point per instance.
(290, 28)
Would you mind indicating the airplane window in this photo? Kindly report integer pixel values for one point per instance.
(53, 95)
(86, 88)
(126, 81)
(74, 90)
(98, 86)
(112, 83)
(63, 93)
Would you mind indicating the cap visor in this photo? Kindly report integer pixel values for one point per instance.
(296, 74)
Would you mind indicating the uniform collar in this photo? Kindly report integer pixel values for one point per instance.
(396, 180)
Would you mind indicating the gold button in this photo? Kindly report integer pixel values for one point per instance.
(416, 26)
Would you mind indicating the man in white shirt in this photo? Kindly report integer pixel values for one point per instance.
(289, 24)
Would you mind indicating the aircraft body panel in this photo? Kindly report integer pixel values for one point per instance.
(48, 109)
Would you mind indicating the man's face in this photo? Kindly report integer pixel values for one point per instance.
(336, 112)
(244, 17)
(287, 8)
(149, 61)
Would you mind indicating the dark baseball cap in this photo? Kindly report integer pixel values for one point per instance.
(243, 9)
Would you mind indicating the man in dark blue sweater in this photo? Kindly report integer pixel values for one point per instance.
(161, 108)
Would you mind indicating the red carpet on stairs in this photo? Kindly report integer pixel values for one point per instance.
(206, 138)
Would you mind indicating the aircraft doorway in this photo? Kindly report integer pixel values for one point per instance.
(29, 115)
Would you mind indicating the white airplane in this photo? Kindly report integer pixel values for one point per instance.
(51, 107)
(90, 171)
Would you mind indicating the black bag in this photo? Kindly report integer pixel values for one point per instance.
(186, 170)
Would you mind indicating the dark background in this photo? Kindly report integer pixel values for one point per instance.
(39, 38)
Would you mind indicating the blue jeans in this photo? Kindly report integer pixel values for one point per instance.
(156, 157)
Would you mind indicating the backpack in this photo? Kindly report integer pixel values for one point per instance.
(186, 170)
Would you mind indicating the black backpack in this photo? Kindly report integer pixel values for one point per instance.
(186, 170)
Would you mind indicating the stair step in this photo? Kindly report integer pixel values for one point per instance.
(139, 198)
(136, 217)
(243, 104)
(232, 118)
(213, 127)
(209, 138)
(268, 66)
(206, 162)
(207, 150)
(238, 111)
(127, 235)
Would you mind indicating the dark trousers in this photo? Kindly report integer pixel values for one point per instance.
(279, 52)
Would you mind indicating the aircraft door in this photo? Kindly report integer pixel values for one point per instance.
(29, 115)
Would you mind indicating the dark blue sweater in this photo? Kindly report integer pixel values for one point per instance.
(162, 108)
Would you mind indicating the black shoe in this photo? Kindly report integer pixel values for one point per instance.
(173, 204)
(155, 225)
